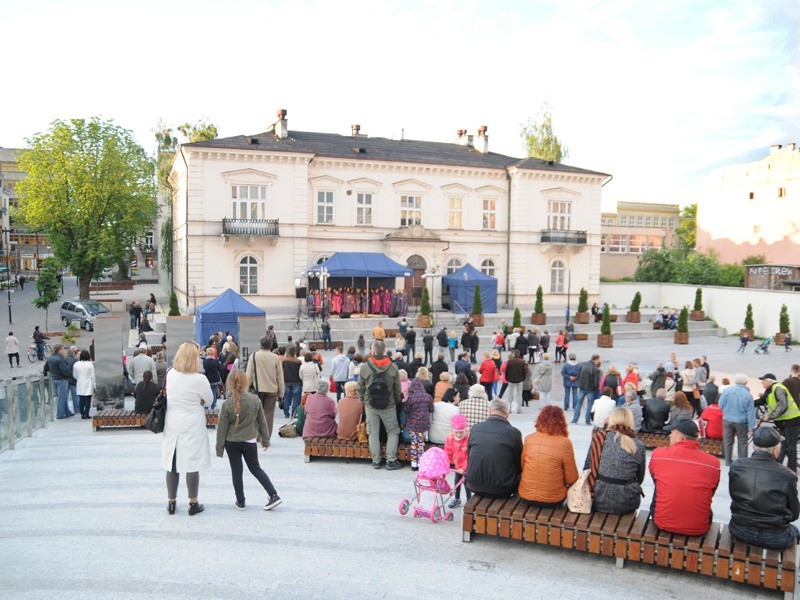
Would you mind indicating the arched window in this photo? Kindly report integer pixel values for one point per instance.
(322, 259)
(557, 272)
(453, 265)
(248, 275)
(487, 267)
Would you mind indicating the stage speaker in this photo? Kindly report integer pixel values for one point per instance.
(344, 315)
(394, 315)
(300, 292)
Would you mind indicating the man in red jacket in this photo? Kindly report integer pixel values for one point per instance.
(685, 481)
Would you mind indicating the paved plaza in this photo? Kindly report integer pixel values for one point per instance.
(84, 516)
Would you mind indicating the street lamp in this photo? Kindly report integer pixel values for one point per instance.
(7, 253)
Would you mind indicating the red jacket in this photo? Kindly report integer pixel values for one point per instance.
(457, 451)
(713, 418)
(686, 479)
(487, 370)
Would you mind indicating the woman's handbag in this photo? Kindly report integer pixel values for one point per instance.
(155, 420)
(288, 430)
(579, 495)
(361, 431)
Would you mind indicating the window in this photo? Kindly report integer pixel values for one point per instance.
(623, 220)
(559, 214)
(324, 208)
(611, 222)
(752, 195)
(410, 211)
(617, 244)
(647, 222)
(557, 277)
(249, 201)
(364, 209)
(663, 221)
(487, 267)
(489, 213)
(455, 212)
(637, 244)
(148, 239)
(603, 243)
(639, 221)
(781, 192)
(453, 265)
(248, 275)
(322, 259)
(672, 222)
(602, 221)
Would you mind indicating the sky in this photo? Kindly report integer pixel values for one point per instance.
(656, 93)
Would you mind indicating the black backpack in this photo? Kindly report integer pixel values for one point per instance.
(378, 390)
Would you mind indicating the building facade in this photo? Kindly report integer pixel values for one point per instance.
(254, 212)
(751, 209)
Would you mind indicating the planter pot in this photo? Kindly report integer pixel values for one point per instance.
(424, 321)
(751, 335)
(538, 318)
(612, 318)
(582, 318)
(780, 338)
(477, 320)
(581, 337)
(605, 341)
(633, 316)
(697, 315)
(681, 338)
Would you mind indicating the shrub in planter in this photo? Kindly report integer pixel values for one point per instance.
(539, 317)
(682, 334)
(582, 316)
(698, 314)
(174, 311)
(477, 307)
(749, 326)
(424, 319)
(517, 322)
(605, 339)
(783, 325)
(633, 315)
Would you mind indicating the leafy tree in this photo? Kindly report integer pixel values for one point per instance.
(539, 305)
(754, 259)
(783, 320)
(605, 326)
(425, 303)
(540, 141)
(748, 318)
(687, 228)
(199, 132)
(583, 301)
(658, 265)
(49, 289)
(698, 299)
(477, 301)
(683, 321)
(174, 311)
(90, 189)
(637, 302)
(517, 322)
(679, 265)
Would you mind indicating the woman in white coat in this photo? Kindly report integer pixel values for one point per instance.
(543, 379)
(83, 372)
(185, 447)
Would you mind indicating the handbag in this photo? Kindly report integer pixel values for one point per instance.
(301, 419)
(579, 496)
(288, 430)
(361, 431)
(155, 420)
(696, 394)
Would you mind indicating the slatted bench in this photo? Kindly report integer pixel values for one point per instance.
(634, 537)
(336, 448)
(661, 440)
(118, 419)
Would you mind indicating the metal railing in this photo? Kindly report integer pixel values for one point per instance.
(563, 236)
(26, 404)
(250, 227)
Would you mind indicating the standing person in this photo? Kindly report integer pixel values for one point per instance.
(22, 281)
(418, 406)
(474, 343)
(411, 343)
(588, 386)
(452, 344)
(141, 363)
(309, 374)
(495, 454)
(456, 446)
(402, 327)
(241, 426)
(378, 332)
(438, 367)
(743, 340)
(325, 327)
(441, 340)
(499, 342)
(487, 371)
(570, 372)
(212, 369)
(83, 372)
(782, 410)
(543, 379)
(292, 383)
(60, 373)
(560, 346)
(12, 349)
(787, 342)
(516, 369)
(613, 380)
(161, 367)
(340, 368)
(185, 447)
(427, 346)
(657, 378)
(265, 376)
(738, 417)
(466, 341)
(38, 339)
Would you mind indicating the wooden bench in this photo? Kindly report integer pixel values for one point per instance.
(661, 440)
(118, 418)
(336, 448)
(634, 537)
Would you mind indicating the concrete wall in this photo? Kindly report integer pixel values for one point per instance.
(726, 305)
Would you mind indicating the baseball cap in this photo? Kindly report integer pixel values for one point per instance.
(767, 437)
(687, 427)
(769, 376)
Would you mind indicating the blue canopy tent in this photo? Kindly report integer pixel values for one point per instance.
(221, 314)
(462, 289)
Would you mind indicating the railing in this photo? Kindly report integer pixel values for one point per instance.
(250, 227)
(559, 236)
(26, 404)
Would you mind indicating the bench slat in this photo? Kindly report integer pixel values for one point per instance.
(709, 550)
(582, 533)
(492, 520)
(556, 522)
(480, 514)
(724, 545)
(649, 543)
(505, 516)
(678, 552)
(607, 535)
(636, 534)
(623, 535)
(663, 540)
(543, 526)
(755, 564)
(788, 569)
(529, 523)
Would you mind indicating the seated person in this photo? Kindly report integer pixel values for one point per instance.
(618, 459)
(712, 415)
(424, 375)
(656, 412)
(686, 479)
(145, 326)
(494, 464)
(443, 413)
(602, 407)
(441, 386)
(764, 495)
(351, 412)
(681, 410)
(548, 461)
(320, 411)
(145, 393)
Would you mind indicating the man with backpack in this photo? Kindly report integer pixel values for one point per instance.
(379, 390)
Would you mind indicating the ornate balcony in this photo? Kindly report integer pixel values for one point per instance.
(563, 237)
(250, 228)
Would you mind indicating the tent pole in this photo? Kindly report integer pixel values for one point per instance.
(366, 308)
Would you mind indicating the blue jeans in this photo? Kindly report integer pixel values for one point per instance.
(61, 387)
(291, 398)
(40, 350)
(581, 395)
(574, 392)
(326, 341)
(774, 539)
(214, 392)
(76, 401)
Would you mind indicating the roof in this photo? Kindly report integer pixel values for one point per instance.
(228, 306)
(377, 148)
(363, 264)
(468, 274)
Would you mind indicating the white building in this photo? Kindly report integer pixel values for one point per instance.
(252, 212)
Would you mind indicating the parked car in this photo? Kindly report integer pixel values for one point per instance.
(83, 311)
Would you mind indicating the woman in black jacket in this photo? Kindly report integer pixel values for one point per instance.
(213, 372)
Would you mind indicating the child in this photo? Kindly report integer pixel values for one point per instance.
(787, 342)
(456, 447)
(418, 406)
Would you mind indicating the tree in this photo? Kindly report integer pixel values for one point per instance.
(687, 228)
(477, 301)
(538, 307)
(637, 302)
(754, 259)
(683, 320)
(174, 311)
(748, 318)
(605, 326)
(517, 322)
(539, 140)
(698, 299)
(583, 301)
(49, 289)
(425, 303)
(199, 132)
(783, 320)
(90, 188)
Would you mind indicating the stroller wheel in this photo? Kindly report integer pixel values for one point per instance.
(404, 506)
(450, 516)
(436, 514)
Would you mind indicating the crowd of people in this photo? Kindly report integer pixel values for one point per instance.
(344, 301)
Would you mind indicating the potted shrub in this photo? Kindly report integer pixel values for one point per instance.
(424, 319)
(698, 314)
(538, 317)
(605, 339)
(174, 311)
(633, 315)
(682, 334)
(783, 326)
(477, 307)
(582, 316)
(517, 322)
(749, 327)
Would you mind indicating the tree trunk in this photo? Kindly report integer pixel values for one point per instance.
(46, 320)
(83, 287)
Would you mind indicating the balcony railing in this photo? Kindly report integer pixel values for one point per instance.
(250, 227)
(562, 236)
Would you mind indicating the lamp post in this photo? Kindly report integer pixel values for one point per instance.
(7, 253)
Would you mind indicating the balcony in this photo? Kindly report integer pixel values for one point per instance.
(250, 227)
(563, 237)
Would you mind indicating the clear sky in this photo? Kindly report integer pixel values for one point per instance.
(655, 92)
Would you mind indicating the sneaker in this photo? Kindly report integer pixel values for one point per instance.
(240, 505)
(377, 465)
(195, 508)
(454, 502)
(393, 465)
(274, 500)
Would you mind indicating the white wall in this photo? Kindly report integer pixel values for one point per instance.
(726, 305)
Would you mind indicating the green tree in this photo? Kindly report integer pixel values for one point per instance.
(698, 299)
(748, 318)
(783, 320)
(49, 289)
(583, 301)
(683, 321)
(90, 188)
(637, 302)
(540, 141)
(754, 259)
(605, 326)
(538, 307)
(174, 311)
(477, 301)
(425, 303)
(686, 231)
(200, 131)
(517, 322)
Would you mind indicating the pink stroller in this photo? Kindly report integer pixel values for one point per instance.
(434, 467)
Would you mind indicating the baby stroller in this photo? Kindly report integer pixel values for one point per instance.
(434, 467)
(763, 347)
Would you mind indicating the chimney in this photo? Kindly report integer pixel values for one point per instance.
(774, 148)
(462, 139)
(281, 127)
(356, 129)
(482, 144)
